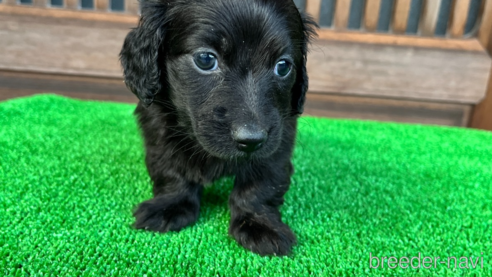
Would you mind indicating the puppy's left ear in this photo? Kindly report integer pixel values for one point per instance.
(300, 88)
(140, 53)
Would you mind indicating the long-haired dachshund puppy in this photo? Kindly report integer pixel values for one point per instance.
(221, 85)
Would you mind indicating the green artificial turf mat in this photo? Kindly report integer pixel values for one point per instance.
(72, 171)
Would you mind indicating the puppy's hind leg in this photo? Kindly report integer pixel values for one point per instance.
(176, 204)
(255, 219)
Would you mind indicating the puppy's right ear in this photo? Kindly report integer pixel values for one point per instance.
(308, 27)
(140, 53)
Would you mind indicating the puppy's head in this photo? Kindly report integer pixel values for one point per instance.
(234, 70)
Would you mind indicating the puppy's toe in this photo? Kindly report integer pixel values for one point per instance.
(163, 216)
(264, 238)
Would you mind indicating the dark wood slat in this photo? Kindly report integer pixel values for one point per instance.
(11, 94)
(17, 84)
(366, 108)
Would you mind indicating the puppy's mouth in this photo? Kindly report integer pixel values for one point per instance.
(233, 151)
(237, 144)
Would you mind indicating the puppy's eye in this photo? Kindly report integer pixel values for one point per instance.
(206, 61)
(282, 68)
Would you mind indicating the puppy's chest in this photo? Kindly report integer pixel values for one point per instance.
(213, 169)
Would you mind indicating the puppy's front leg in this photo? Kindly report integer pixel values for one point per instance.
(255, 219)
(175, 205)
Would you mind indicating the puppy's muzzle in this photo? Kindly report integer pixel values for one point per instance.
(249, 138)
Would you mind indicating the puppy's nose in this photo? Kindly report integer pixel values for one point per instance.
(249, 138)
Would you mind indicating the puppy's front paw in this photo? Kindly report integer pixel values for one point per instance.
(163, 215)
(264, 238)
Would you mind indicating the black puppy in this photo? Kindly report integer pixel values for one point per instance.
(221, 84)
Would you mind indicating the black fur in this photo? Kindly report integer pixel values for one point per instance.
(188, 117)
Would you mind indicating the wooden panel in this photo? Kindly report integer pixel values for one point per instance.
(371, 15)
(60, 46)
(400, 17)
(69, 14)
(413, 41)
(398, 72)
(459, 16)
(132, 7)
(485, 32)
(102, 5)
(342, 11)
(429, 17)
(72, 4)
(313, 8)
(365, 108)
